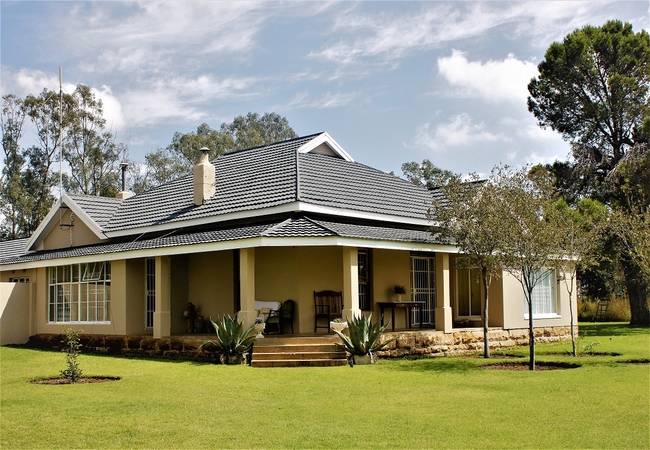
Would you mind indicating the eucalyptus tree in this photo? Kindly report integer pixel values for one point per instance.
(253, 130)
(426, 174)
(90, 149)
(594, 89)
(12, 120)
(467, 214)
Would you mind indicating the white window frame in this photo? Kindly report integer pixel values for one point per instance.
(73, 297)
(547, 287)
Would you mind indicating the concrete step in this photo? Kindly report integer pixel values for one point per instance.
(298, 356)
(303, 340)
(291, 348)
(299, 363)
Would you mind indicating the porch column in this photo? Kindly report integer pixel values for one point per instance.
(162, 324)
(350, 283)
(247, 286)
(444, 318)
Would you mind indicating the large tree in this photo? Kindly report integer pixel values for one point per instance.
(468, 215)
(253, 130)
(90, 149)
(594, 89)
(426, 174)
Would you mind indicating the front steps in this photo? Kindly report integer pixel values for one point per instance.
(298, 352)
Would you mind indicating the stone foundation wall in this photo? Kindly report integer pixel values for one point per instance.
(179, 347)
(439, 343)
(424, 343)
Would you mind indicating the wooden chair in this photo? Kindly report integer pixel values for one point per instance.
(328, 305)
(278, 319)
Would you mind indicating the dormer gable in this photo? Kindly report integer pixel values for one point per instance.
(70, 223)
(325, 145)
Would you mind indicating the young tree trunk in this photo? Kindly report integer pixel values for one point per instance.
(486, 287)
(531, 331)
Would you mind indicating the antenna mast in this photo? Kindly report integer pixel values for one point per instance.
(60, 133)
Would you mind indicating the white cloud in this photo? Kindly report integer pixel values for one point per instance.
(383, 37)
(458, 131)
(493, 80)
(326, 100)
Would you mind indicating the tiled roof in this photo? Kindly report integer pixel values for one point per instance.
(293, 227)
(13, 248)
(100, 209)
(275, 175)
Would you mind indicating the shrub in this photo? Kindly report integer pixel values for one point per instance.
(364, 336)
(233, 342)
(71, 347)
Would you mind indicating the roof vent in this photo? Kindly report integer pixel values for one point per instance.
(204, 179)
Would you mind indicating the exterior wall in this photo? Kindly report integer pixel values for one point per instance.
(21, 273)
(77, 235)
(283, 273)
(16, 306)
(134, 294)
(515, 307)
(209, 286)
(390, 267)
(179, 292)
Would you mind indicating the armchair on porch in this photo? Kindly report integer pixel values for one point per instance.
(278, 319)
(328, 305)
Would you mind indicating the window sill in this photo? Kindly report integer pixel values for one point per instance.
(544, 316)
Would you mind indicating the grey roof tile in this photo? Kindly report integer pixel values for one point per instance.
(13, 248)
(100, 209)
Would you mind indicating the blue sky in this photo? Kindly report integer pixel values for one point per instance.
(390, 81)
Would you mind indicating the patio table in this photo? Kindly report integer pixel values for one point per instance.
(405, 305)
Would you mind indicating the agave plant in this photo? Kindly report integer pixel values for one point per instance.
(233, 342)
(364, 336)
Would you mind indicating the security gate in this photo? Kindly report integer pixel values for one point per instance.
(423, 288)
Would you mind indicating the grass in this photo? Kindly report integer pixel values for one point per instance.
(438, 402)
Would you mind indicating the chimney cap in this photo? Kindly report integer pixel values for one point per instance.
(205, 150)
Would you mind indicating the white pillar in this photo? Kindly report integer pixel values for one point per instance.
(162, 317)
(350, 283)
(444, 318)
(247, 286)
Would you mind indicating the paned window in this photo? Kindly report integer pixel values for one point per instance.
(80, 293)
(365, 278)
(544, 296)
(150, 292)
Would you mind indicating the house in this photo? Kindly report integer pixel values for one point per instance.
(269, 223)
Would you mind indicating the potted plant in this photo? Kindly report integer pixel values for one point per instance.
(363, 341)
(338, 325)
(399, 291)
(233, 341)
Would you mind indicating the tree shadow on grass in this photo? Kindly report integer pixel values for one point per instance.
(611, 329)
(440, 364)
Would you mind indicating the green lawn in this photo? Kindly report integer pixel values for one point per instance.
(440, 402)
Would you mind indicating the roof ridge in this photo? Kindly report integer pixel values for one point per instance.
(318, 224)
(273, 143)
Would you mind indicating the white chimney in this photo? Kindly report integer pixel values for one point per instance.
(204, 179)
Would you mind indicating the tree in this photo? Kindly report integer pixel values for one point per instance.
(253, 130)
(178, 158)
(529, 240)
(467, 214)
(426, 174)
(578, 232)
(594, 89)
(11, 122)
(91, 151)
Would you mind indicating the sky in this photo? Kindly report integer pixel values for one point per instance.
(390, 81)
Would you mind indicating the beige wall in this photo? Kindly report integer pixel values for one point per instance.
(79, 234)
(390, 267)
(134, 297)
(16, 305)
(209, 286)
(514, 306)
(5, 275)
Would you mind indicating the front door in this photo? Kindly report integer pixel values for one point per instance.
(423, 288)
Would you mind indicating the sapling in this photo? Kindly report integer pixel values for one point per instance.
(71, 346)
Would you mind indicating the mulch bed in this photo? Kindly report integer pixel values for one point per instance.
(524, 366)
(82, 380)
